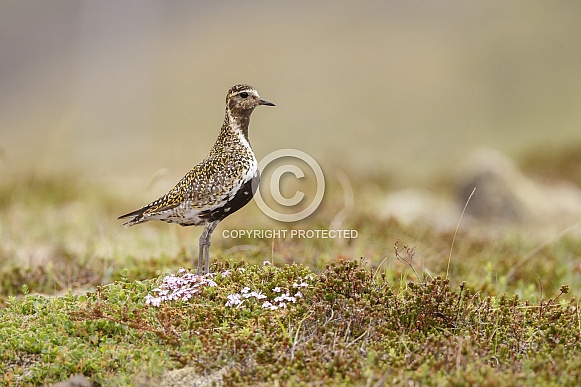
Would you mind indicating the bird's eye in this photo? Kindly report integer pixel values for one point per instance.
(244, 95)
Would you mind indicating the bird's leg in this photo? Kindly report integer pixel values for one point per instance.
(210, 227)
(202, 249)
(207, 247)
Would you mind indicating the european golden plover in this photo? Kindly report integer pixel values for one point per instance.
(218, 186)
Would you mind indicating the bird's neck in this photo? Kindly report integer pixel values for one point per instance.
(237, 123)
(234, 133)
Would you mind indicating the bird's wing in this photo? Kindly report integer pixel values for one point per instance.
(201, 187)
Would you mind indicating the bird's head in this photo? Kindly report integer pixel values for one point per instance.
(242, 99)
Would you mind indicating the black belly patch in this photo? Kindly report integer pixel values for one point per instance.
(240, 199)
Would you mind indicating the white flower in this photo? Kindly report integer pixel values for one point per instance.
(150, 300)
(277, 290)
(266, 263)
(282, 299)
(179, 287)
(234, 299)
(268, 305)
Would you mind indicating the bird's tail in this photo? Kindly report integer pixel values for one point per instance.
(136, 217)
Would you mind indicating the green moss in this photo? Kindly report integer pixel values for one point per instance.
(349, 328)
(391, 318)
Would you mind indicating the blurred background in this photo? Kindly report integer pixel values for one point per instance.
(104, 105)
(407, 88)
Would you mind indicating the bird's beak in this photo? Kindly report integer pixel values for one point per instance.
(265, 102)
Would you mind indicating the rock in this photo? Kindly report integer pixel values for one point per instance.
(504, 195)
(418, 206)
(74, 381)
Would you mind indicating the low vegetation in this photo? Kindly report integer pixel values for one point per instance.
(80, 295)
(351, 324)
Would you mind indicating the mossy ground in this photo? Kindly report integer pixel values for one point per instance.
(354, 325)
(73, 288)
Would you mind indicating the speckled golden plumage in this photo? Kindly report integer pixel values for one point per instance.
(218, 186)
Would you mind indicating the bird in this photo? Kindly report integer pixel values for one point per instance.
(221, 184)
